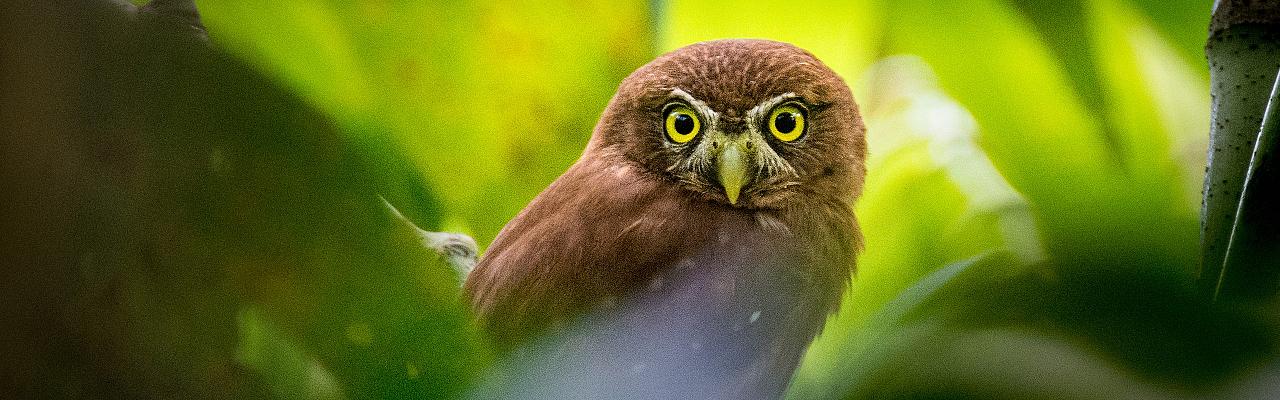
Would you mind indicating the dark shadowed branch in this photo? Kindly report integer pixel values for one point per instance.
(1244, 55)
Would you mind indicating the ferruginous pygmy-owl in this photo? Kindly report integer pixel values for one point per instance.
(700, 242)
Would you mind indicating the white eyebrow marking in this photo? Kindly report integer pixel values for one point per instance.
(757, 112)
(701, 107)
(768, 162)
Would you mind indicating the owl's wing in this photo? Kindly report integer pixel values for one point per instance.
(583, 242)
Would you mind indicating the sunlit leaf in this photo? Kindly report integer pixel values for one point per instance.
(1183, 23)
(1035, 129)
(843, 34)
(493, 101)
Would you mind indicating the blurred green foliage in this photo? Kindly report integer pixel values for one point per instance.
(491, 101)
(1066, 133)
(177, 225)
(1030, 210)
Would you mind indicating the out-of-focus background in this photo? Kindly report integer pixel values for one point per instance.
(198, 219)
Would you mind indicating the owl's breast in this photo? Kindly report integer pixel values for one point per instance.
(729, 320)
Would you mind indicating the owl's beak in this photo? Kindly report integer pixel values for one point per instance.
(731, 166)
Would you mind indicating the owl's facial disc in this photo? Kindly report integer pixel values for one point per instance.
(730, 149)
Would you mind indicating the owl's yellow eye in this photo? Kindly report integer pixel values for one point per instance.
(682, 124)
(786, 122)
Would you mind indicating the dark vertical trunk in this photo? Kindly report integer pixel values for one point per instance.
(1239, 225)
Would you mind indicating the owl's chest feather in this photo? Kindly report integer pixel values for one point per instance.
(727, 320)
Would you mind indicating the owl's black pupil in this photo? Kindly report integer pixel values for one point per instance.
(684, 124)
(785, 122)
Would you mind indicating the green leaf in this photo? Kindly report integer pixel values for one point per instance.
(871, 347)
(1039, 135)
(213, 191)
(491, 101)
(1156, 104)
(1182, 22)
(1110, 328)
(286, 368)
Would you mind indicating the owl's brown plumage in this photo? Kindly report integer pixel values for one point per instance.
(722, 253)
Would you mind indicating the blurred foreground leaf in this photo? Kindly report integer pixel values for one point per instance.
(995, 327)
(286, 369)
(156, 189)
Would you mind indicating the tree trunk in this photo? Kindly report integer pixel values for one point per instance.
(1239, 233)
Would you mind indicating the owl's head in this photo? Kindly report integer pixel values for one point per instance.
(750, 123)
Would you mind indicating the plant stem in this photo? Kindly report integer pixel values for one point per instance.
(1253, 251)
(1244, 55)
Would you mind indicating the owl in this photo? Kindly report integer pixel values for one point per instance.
(699, 243)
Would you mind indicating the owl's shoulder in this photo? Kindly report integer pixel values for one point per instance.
(597, 229)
